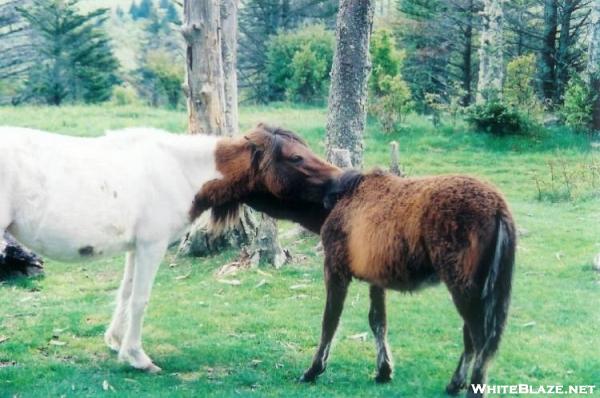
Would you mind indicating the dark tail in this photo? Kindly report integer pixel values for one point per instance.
(497, 285)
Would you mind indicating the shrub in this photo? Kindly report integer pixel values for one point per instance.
(307, 83)
(568, 181)
(124, 95)
(577, 107)
(393, 104)
(298, 64)
(390, 95)
(497, 118)
(386, 60)
(519, 90)
(9, 91)
(160, 79)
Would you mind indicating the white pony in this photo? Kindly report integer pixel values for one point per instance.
(129, 191)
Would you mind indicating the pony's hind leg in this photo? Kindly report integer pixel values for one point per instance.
(459, 379)
(491, 310)
(378, 323)
(337, 288)
(147, 260)
(115, 332)
(482, 358)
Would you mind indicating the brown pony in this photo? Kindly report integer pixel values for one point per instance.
(394, 233)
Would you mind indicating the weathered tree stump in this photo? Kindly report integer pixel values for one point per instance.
(15, 260)
(201, 241)
(341, 158)
(265, 248)
(395, 167)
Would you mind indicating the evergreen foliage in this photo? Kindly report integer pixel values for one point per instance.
(298, 65)
(519, 87)
(391, 97)
(260, 20)
(144, 10)
(577, 107)
(76, 57)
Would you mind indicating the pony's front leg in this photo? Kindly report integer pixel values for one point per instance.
(378, 323)
(147, 260)
(115, 332)
(337, 288)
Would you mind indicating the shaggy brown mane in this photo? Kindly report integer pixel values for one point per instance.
(406, 233)
(281, 132)
(240, 161)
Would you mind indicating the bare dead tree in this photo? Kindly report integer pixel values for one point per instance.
(205, 80)
(210, 32)
(17, 55)
(350, 71)
(593, 64)
(491, 69)
(229, 23)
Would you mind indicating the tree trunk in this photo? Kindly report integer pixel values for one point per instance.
(593, 65)
(563, 52)
(207, 54)
(349, 74)
(16, 260)
(229, 52)
(210, 31)
(205, 82)
(467, 56)
(548, 61)
(265, 247)
(491, 67)
(285, 13)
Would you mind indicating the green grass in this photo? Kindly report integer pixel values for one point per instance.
(213, 339)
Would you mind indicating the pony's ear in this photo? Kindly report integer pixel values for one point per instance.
(256, 153)
(345, 184)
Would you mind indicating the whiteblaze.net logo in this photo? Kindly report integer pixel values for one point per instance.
(531, 389)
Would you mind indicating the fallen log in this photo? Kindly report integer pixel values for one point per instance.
(15, 260)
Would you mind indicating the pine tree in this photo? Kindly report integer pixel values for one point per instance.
(145, 8)
(119, 12)
(172, 15)
(259, 20)
(134, 10)
(76, 61)
(439, 39)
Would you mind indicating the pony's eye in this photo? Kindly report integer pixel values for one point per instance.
(296, 159)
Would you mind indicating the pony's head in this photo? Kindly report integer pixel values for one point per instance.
(283, 166)
(269, 168)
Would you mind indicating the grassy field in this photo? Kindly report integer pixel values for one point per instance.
(255, 339)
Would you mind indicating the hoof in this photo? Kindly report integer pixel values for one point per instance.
(112, 341)
(472, 394)
(384, 374)
(152, 369)
(383, 378)
(454, 388)
(138, 359)
(306, 378)
(310, 376)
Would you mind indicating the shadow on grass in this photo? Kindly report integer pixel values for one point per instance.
(30, 283)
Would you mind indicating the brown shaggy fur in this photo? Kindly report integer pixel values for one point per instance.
(260, 169)
(394, 233)
(403, 231)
